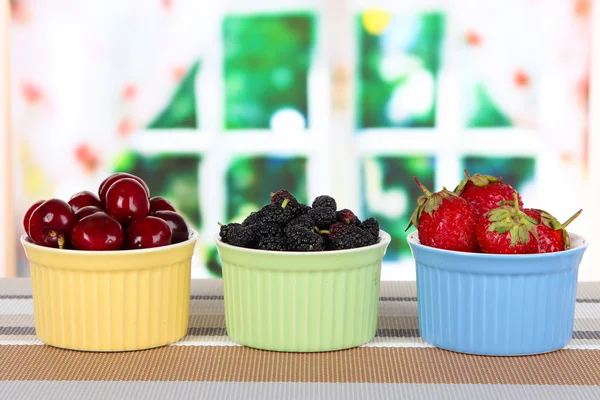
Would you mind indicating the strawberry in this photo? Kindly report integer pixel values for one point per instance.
(507, 230)
(444, 220)
(552, 234)
(485, 192)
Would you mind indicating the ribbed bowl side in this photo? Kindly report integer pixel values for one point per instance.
(111, 311)
(496, 314)
(303, 311)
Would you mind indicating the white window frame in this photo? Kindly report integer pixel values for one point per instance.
(336, 50)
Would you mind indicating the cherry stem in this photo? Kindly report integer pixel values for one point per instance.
(61, 242)
(422, 187)
(467, 174)
(567, 222)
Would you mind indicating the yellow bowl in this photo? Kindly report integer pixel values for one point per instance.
(111, 300)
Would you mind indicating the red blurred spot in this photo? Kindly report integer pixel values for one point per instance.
(87, 157)
(521, 79)
(129, 92)
(583, 8)
(19, 11)
(125, 127)
(178, 73)
(167, 4)
(473, 38)
(31, 92)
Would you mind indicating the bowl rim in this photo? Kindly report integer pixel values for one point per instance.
(413, 240)
(25, 241)
(384, 240)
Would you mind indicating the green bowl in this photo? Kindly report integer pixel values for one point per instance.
(302, 302)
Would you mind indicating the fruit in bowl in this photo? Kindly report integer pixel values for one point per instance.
(493, 277)
(288, 225)
(104, 266)
(122, 216)
(484, 214)
(301, 278)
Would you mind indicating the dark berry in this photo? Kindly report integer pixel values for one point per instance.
(304, 209)
(325, 201)
(302, 239)
(372, 226)
(242, 236)
(347, 217)
(322, 216)
(276, 214)
(224, 231)
(342, 236)
(304, 221)
(267, 230)
(273, 243)
(251, 219)
(280, 196)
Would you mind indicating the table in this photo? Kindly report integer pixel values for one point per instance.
(206, 364)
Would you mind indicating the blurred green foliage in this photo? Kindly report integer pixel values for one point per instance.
(180, 112)
(515, 171)
(266, 63)
(486, 113)
(174, 177)
(374, 92)
(395, 173)
(250, 180)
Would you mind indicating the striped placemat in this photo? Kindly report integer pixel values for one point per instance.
(207, 364)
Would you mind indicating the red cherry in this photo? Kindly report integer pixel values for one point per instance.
(148, 232)
(126, 200)
(177, 223)
(50, 223)
(83, 199)
(108, 182)
(98, 231)
(86, 211)
(158, 203)
(27, 216)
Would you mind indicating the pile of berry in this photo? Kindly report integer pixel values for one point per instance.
(484, 214)
(122, 216)
(288, 225)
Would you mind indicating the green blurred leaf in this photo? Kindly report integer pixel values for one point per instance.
(181, 110)
(267, 58)
(486, 113)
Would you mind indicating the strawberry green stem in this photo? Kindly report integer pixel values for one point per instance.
(467, 174)
(516, 201)
(567, 222)
(422, 187)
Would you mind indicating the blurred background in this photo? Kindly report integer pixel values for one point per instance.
(216, 104)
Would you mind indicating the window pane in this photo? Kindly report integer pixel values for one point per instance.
(389, 194)
(516, 171)
(180, 111)
(266, 63)
(250, 180)
(174, 177)
(506, 54)
(399, 58)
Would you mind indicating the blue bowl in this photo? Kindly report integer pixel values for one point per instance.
(494, 304)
